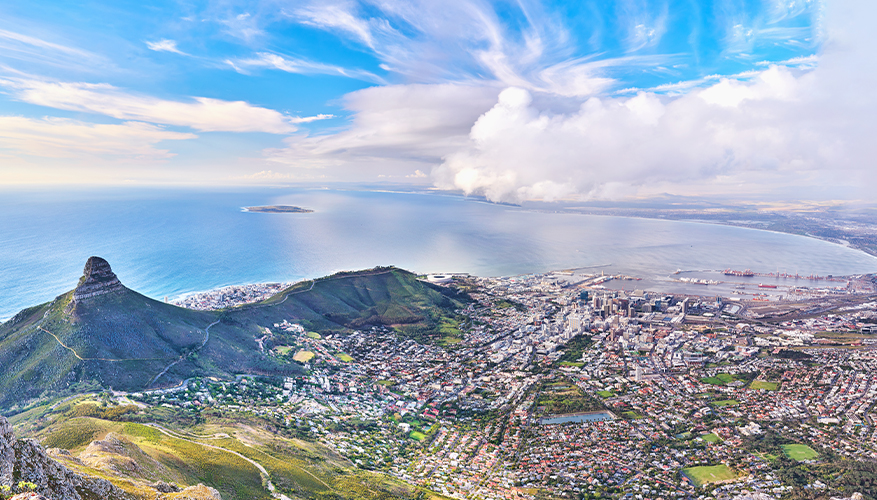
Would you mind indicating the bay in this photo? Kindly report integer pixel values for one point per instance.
(166, 243)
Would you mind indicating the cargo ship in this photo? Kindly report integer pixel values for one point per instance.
(747, 273)
(762, 285)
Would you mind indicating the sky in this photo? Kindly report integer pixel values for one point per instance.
(512, 100)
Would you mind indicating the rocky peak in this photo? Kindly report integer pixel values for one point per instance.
(26, 460)
(97, 279)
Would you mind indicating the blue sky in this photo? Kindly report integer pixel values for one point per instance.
(233, 92)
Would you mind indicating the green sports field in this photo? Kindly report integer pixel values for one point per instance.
(764, 385)
(709, 474)
(799, 452)
(711, 438)
(725, 402)
(719, 379)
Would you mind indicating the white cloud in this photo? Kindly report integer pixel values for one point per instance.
(300, 66)
(461, 40)
(201, 113)
(64, 138)
(12, 36)
(244, 26)
(399, 125)
(31, 49)
(337, 17)
(265, 175)
(775, 128)
(548, 135)
(165, 45)
(309, 119)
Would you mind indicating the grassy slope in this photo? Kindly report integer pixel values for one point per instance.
(32, 361)
(381, 297)
(123, 339)
(297, 468)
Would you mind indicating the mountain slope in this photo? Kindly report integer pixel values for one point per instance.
(104, 335)
(242, 456)
(378, 297)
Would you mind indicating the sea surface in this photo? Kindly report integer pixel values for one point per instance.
(170, 243)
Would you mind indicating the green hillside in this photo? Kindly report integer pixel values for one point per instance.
(103, 335)
(222, 453)
(379, 297)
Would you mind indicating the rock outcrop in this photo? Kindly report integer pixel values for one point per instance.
(26, 460)
(29, 496)
(199, 492)
(166, 487)
(97, 279)
(7, 452)
(118, 456)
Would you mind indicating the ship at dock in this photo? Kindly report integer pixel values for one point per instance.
(731, 272)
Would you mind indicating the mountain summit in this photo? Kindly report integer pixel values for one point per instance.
(98, 278)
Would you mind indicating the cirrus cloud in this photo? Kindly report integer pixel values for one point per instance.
(65, 138)
(200, 113)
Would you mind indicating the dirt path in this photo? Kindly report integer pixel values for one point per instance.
(168, 367)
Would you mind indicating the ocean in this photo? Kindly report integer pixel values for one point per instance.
(167, 243)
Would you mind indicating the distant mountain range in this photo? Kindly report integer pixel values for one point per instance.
(103, 335)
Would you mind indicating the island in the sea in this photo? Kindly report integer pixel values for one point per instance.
(279, 209)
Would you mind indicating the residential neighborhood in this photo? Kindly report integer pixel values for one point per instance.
(562, 387)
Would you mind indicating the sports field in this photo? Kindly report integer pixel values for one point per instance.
(344, 357)
(764, 385)
(711, 438)
(799, 452)
(303, 356)
(719, 379)
(709, 474)
(725, 402)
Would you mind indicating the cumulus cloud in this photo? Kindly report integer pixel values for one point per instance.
(201, 113)
(65, 138)
(516, 152)
(779, 126)
(557, 131)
